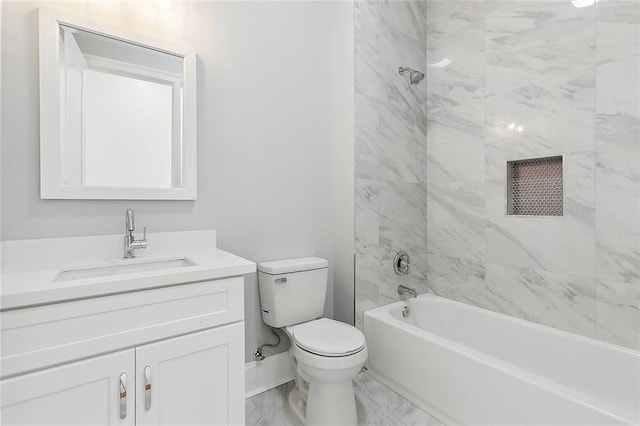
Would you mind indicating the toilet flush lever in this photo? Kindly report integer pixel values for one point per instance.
(281, 280)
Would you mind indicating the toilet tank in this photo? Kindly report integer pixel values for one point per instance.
(292, 291)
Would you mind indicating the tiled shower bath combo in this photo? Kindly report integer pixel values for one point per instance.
(523, 80)
(511, 177)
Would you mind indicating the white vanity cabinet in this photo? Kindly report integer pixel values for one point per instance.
(181, 348)
(83, 393)
(197, 379)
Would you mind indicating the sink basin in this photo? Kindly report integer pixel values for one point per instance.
(124, 268)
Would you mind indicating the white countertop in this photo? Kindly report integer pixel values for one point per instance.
(30, 267)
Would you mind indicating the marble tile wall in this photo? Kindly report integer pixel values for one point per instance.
(390, 149)
(568, 79)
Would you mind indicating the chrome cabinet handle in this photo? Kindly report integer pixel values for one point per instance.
(123, 395)
(147, 388)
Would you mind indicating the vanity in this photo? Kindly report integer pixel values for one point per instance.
(89, 337)
(93, 334)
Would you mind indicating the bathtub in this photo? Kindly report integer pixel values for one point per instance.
(466, 365)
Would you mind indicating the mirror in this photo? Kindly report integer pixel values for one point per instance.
(117, 112)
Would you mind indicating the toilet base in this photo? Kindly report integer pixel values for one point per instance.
(297, 403)
(323, 394)
(331, 404)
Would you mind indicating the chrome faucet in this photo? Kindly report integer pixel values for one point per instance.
(403, 289)
(130, 242)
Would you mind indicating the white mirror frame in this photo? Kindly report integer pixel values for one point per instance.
(52, 185)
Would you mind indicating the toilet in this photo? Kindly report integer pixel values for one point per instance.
(325, 354)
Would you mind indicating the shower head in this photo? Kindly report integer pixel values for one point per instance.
(415, 77)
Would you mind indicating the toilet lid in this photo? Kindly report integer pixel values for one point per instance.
(328, 337)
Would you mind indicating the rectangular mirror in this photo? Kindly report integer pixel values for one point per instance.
(117, 112)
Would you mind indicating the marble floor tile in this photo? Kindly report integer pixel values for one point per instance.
(252, 411)
(271, 408)
(408, 414)
(376, 405)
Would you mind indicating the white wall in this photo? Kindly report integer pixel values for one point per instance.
(1, 109)
(275, 100)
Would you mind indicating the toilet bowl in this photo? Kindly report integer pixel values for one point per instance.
(325, 354)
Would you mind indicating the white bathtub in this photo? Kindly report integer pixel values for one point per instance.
(466, 365)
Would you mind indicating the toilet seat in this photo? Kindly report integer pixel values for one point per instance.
(328, 338)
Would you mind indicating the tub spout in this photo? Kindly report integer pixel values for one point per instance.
(403, 289)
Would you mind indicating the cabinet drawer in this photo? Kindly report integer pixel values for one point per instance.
(36, 337)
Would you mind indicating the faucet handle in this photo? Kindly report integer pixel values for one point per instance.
(144, 234)
(130, 224)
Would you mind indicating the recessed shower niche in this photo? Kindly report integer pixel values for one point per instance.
(535, 187)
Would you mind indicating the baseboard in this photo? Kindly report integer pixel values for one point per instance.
(260, 376)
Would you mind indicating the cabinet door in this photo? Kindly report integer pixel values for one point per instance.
(79, 393)
(196, 379)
